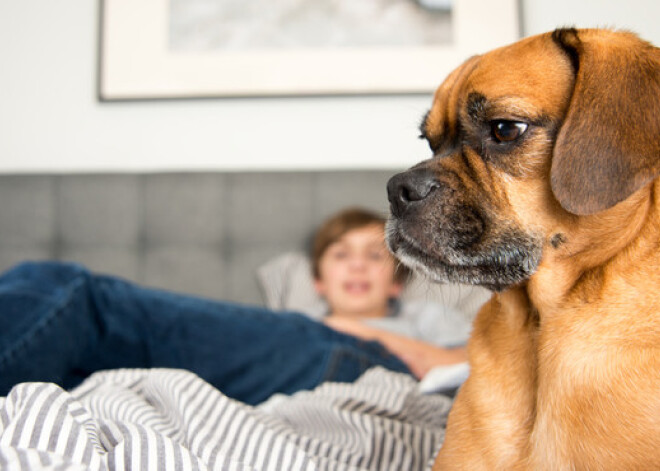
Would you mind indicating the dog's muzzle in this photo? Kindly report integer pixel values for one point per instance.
(429, 212)
(436, 228)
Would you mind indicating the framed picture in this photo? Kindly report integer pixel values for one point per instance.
(154, 49)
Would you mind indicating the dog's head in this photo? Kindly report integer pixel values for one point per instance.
(529, 142)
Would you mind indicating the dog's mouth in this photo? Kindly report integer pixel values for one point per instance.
(506, 260)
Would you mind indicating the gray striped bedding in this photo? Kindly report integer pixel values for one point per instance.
(162, 419)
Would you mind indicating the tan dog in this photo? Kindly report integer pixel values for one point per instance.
(543, 188)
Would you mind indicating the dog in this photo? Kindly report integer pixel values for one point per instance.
(543, 188)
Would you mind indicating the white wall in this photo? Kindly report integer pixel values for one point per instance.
(50, 119)
(640, 16)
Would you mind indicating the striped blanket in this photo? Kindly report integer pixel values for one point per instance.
(164, 419)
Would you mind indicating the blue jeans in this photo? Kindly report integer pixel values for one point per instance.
(60, 323)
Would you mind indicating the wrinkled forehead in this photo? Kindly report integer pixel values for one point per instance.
(440, 118)
(533, 73)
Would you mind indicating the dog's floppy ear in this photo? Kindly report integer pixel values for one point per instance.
(609, 144)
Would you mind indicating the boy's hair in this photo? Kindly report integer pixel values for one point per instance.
(341, 223)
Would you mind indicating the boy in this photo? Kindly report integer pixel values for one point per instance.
(360, 279)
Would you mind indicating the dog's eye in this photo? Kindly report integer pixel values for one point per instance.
(507, 131)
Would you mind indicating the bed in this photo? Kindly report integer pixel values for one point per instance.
(233, 236)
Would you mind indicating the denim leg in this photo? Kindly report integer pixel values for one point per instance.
(46, 323)
(247, 352)
(76, 323)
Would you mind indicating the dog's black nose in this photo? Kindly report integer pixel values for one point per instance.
(407, 188)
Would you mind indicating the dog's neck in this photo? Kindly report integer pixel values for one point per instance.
(599, 249)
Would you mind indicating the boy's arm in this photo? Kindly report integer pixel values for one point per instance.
(419, 356)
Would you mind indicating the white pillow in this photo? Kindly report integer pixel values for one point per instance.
(287, 284)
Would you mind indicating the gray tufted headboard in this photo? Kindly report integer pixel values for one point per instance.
(200, 233)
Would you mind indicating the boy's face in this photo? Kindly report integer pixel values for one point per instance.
(356, 273)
